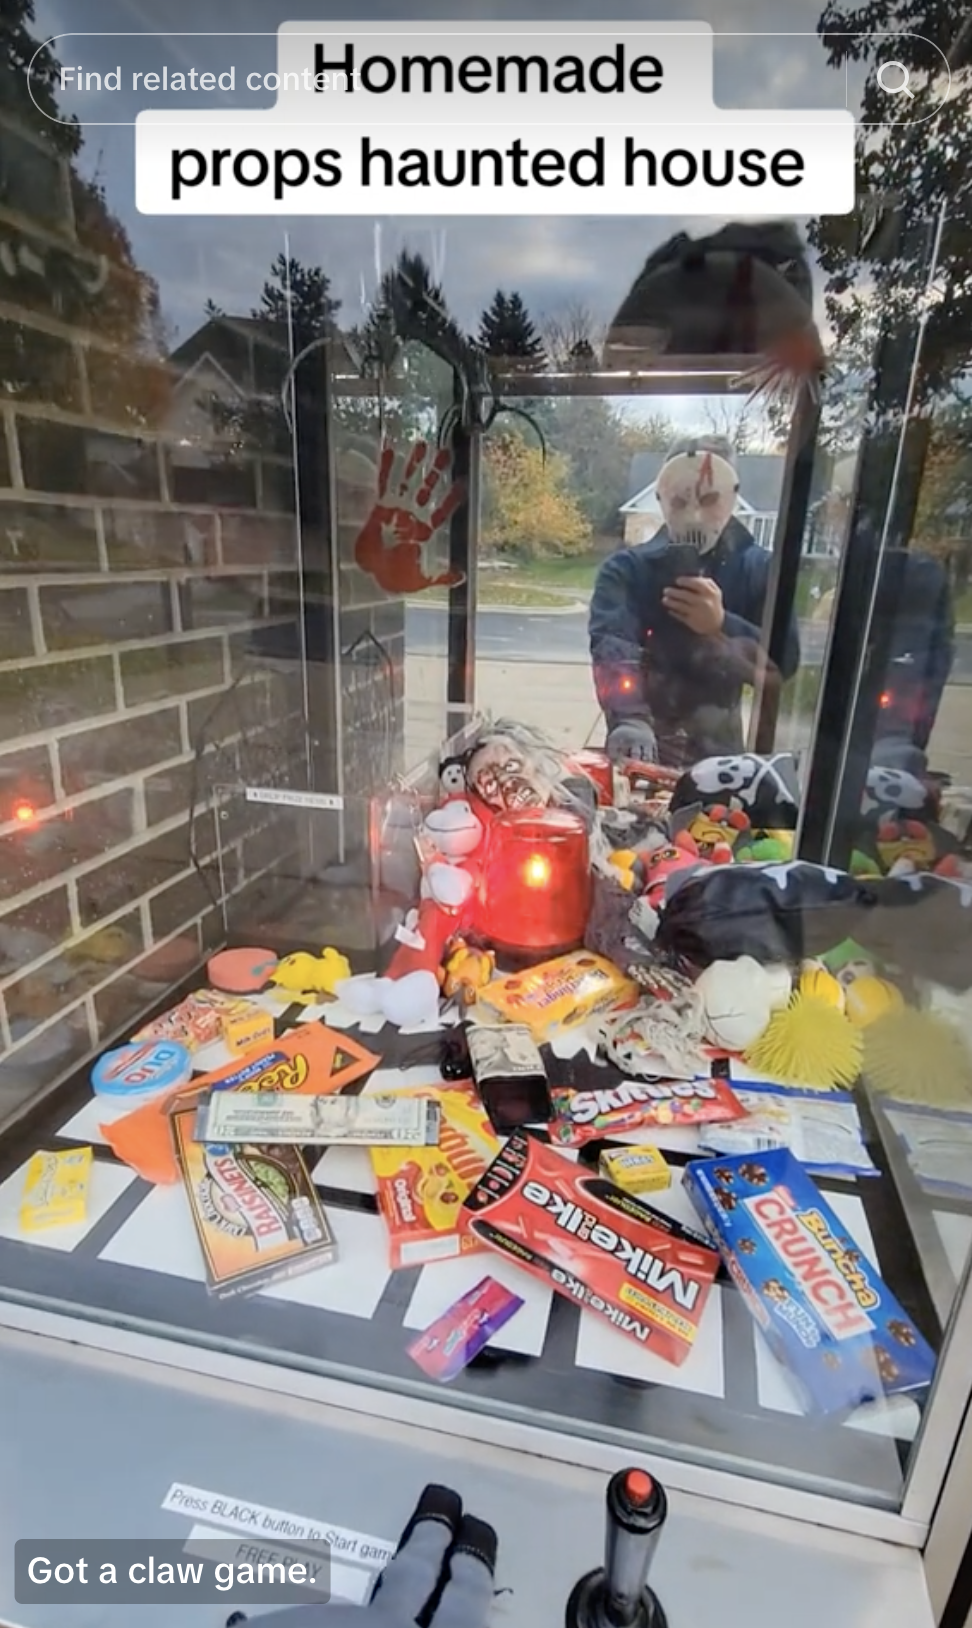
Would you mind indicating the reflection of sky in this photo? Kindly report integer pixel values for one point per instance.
(553, 261)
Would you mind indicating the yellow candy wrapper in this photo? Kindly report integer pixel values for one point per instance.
(560, 994)
(56, 1189)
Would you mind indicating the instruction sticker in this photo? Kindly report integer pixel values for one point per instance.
(259, 1520)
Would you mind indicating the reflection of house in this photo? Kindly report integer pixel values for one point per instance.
(760, 482)
(229, 376)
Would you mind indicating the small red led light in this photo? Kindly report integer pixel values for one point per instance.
(886, 698)
(24, 813)
(627, 684)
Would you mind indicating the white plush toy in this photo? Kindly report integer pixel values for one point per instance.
(739, 998)
(410, 1002)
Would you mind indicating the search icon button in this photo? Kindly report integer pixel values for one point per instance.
(899, 89)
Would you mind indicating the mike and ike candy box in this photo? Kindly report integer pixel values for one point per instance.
(825, 1313)
(637, 1269)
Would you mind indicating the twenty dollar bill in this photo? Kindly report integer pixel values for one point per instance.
(267, 1117)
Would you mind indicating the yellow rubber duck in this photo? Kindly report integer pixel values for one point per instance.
(307, 977)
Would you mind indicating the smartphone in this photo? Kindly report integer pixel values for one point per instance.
(680, 560)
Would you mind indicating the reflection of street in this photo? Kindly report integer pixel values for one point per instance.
(538, 636)
(534, 666)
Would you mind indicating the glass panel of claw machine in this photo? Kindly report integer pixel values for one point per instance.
(661, 557)
(360, 657)
(587, 526)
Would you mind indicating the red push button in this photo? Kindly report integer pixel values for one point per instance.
(639, 1486)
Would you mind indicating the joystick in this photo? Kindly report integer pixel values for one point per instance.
(617, 1594)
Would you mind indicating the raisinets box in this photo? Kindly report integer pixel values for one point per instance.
(825, 1312)
(644, 1273)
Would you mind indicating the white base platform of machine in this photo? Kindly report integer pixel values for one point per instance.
(93, 1446)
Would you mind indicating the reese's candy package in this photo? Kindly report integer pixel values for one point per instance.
(643, 1273)
(312, 1058)
(824, 1311)
(255, 1210)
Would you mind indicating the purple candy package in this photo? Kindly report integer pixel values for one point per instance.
(449, 1344)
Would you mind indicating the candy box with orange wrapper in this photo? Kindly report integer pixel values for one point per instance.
(310, 1059)
(421, 1190)
(645, 1274)
(559, 995)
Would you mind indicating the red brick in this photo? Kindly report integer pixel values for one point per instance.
(33, 699)
(154, 539)
(76, 617)
(167, 670)
(46, 536)
(118, 750)
(25, 783)
(257, 539)
(33, 930)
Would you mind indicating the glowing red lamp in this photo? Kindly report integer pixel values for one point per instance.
(536, 885)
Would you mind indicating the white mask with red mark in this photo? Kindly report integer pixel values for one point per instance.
(697, 493)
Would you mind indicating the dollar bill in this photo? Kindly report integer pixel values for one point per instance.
(265, 1118)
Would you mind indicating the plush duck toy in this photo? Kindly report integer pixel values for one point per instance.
(306, 978)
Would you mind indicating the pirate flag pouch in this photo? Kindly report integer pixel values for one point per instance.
(921, 924)
(765, 789)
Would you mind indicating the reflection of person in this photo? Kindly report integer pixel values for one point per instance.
(672, 651)
(922, 640)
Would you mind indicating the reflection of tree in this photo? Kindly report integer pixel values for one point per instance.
(17, 53)
(86, 278)
(507, 332)
(528, 509)
(571, 335)
(906, 173)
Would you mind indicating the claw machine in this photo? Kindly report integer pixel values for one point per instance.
(506, 754)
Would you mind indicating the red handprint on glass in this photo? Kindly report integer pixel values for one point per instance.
(397, 543)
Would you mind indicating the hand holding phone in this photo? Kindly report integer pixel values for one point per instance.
(680, 560)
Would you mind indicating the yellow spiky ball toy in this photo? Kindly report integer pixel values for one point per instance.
(809, 1043)
(918, 1057)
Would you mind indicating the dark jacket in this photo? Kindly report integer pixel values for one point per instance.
(648, 666)
(918, 598)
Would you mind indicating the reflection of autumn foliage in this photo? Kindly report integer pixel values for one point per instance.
(133, 376)
(528, 508)
(945, 505)
(67, 271)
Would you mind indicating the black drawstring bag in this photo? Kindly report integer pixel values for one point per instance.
(921, 924)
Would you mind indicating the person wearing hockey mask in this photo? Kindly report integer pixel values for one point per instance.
(675, 623)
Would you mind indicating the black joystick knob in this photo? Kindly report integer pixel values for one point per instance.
(617, 1595)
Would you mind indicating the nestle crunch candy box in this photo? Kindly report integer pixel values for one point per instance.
(255, 1210)
(645, 1274)
(824, 1311)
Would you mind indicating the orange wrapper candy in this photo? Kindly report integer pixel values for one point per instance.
(311, 1060)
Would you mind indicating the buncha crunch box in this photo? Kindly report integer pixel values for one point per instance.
(823, 1309)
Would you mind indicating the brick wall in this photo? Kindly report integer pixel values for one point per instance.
(134, 573)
